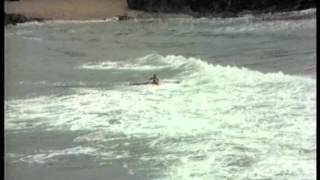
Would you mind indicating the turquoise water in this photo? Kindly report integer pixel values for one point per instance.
(244, 107)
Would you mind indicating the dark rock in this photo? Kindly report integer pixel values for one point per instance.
(18, 18)
(226, 8)
(123, 17)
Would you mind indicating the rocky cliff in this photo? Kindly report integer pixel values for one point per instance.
(18, 18)
(231, 7)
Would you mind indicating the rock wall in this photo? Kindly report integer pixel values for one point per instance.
(18, 18)
(219, 6)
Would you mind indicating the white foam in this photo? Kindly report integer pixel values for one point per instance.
(43, 156)
(112, 19)
(149, 62)
(31, 23)
(119, 66)
(46, 22)
(219, 122)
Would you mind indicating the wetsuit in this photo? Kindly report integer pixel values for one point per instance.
(154, 80)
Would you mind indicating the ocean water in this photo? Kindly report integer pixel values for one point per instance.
(237, 99)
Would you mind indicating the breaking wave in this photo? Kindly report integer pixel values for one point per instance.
(218, 122)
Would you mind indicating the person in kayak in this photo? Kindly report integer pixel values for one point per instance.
(154, 80)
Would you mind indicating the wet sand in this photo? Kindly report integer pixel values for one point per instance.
(69, 9)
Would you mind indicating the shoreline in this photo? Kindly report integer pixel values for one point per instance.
(105, 9)
(13, 19)
(92, 10)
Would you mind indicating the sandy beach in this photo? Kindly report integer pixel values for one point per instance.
(69, 9)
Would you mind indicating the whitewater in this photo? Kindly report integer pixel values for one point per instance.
(237, 99)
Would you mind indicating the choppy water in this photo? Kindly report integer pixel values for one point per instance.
(245, 107)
